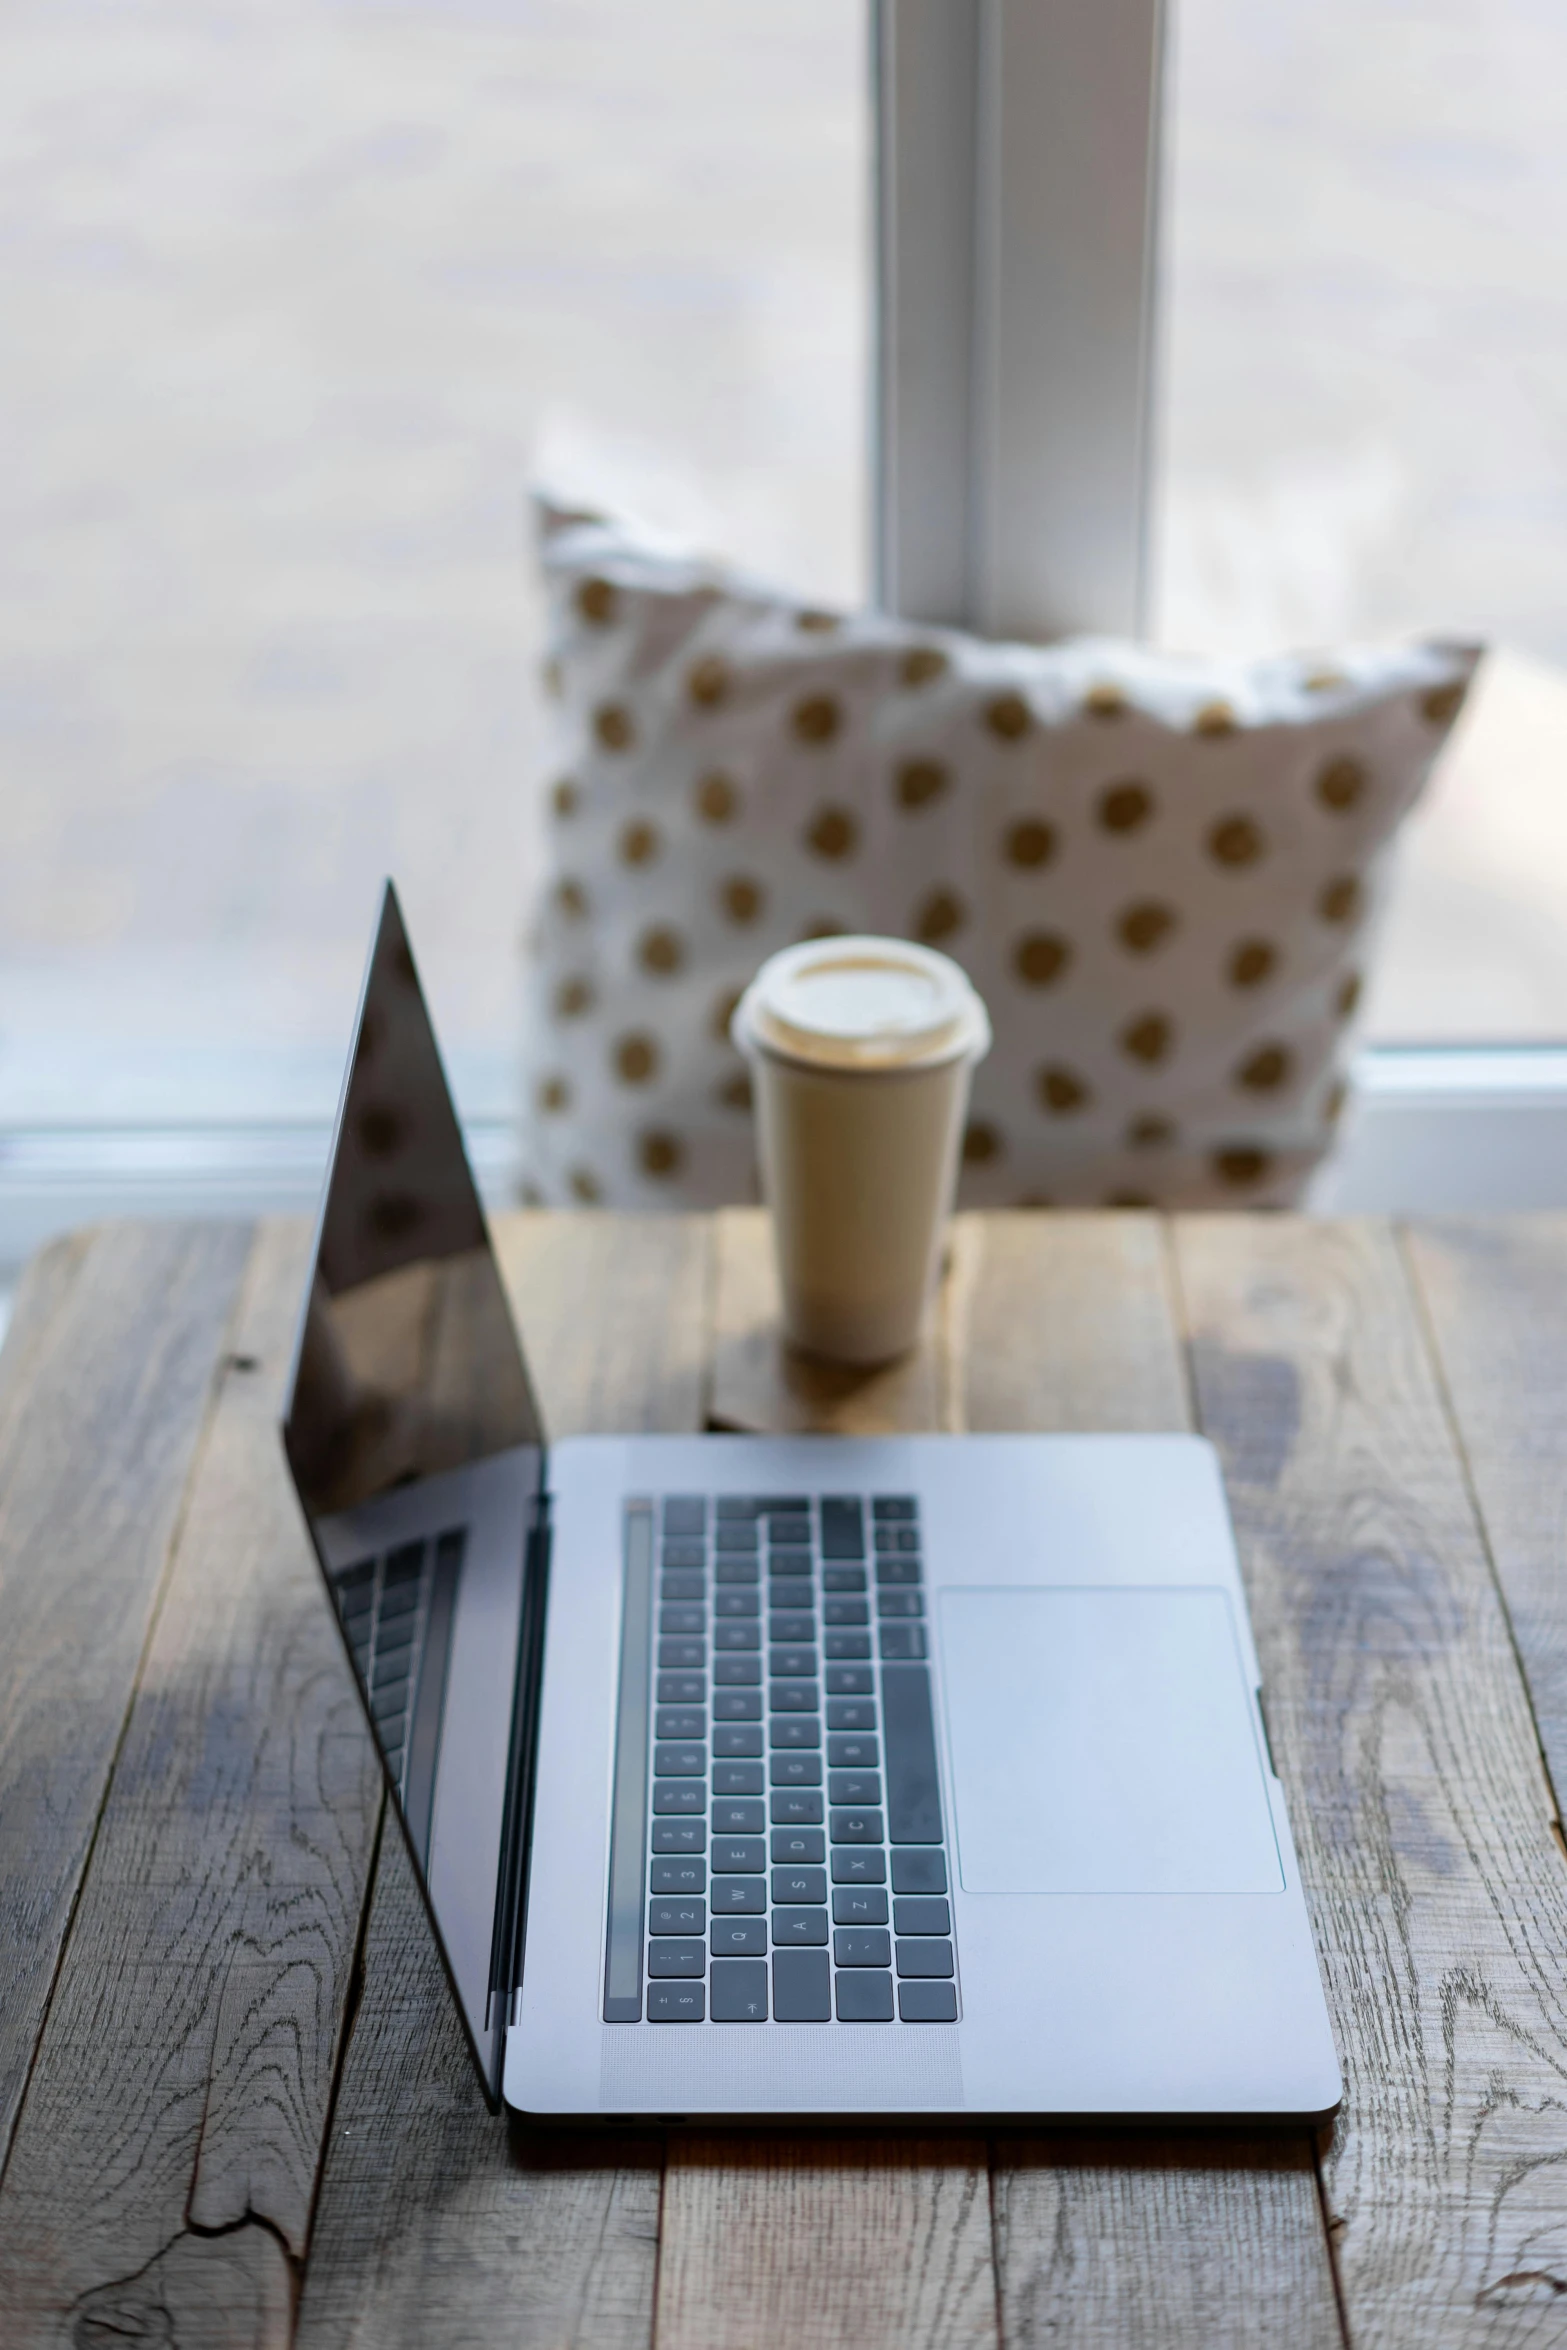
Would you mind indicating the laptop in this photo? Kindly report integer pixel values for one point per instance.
(756, 1776)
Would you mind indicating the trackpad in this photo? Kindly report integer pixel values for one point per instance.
(1102, 1741)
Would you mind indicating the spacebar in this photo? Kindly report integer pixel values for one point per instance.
(913, 1790)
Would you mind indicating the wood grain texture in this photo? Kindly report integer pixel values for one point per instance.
(1067, 1323)
(1496, 1301)
(882, 2243)
(178, 2102)
(1421, 1811)
(437, 2224)
(104, 1387)
(859, 2239)
(614, 1315)
(434, 2224)
(762, 1385)
(1137, 2237)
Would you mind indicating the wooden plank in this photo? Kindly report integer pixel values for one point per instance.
(806, 2237)
(436, 2221)
(816, 2242)
(106, 1380)
(1495, 1296)
(1422, 1813)
(166, 2153)
(763, 1385)
(1141, 2237)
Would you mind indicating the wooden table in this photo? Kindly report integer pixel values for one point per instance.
(234, 2105)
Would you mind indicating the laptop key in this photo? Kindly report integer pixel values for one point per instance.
(677, 1916)
(681, 1688)
(790, 1664)
(727, 1635)
(900, 1603)
(902, 1640)
(676, 1958)
(799, 1929)
(736, 1602)
(739, 1991)
(928, 2003)
(861, 1946)
(919, 1872)
(790, 1532)
(738, 1856)
(684, 1557)
(737, 1705)
(913, 1791)
(919, 1913)
(853, 1865)
(859, 1905)
(681, 1656)
(679, 1835)
(794, 1731)
(854, 1787)
(674, 1796)
(684, 1513)
(846, 1611)
(737, 1778)
(794, 1886)
(682, 1588)
(925, 1957)
(894, 1505)
(796, 1807)
(802, 1987)
(737, 1672)
(736, 1569)
(674, 1621)
(896, 1573)
(851, 1713)
(736, 1816)
(680, 1762)
(672, 1721)
(843, 1527)
(795, 1770)
(739, 1937)
(791, 1627)
(678, 1876)
(853, 1754)
(734, 1738)
(737, 1505)
(856, 1827)
(676, 2003)
(793, 1697)
(846, 1647)
(736, 1534)
(849, 1680)
(843, 1578)
(739, 1897)
(798, 1844)
(789, 1565)
(864, 1998)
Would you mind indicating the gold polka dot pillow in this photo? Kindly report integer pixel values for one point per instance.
(1162, 874)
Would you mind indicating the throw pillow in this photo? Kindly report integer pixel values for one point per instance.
(1163, 874)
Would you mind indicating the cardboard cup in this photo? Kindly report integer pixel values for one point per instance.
(861, 1052)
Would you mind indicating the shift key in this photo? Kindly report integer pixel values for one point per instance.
(909, 1755)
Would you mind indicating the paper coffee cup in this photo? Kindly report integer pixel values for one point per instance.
(861, 1050)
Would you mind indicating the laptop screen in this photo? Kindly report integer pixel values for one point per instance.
(417, 1446)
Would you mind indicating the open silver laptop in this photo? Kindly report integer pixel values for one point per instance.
(784, 1775)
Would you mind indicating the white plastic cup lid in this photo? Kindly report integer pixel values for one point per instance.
(862, 1003)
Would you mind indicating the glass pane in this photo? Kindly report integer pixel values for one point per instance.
(1365, 428)
(294, 299)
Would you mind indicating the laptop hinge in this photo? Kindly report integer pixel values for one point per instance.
(511, 1910)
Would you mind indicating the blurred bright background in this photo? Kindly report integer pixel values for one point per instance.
(299, 299)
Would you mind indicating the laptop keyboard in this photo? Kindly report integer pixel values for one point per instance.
(397, 1612)
(795, 1865)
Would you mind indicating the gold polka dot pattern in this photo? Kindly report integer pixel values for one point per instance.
(1159, 872)
(832, 833)
(717, 798)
